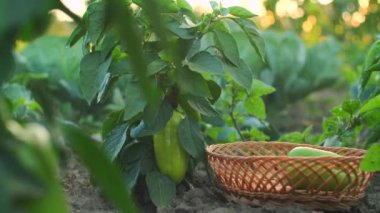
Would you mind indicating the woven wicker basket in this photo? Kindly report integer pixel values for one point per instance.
(259, 173)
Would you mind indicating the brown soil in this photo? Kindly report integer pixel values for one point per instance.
(81, 195)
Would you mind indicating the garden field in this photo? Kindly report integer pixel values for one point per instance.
(190, 106)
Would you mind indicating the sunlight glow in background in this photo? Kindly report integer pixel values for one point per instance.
(284, 8)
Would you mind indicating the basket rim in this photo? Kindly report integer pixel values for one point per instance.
(236, 157)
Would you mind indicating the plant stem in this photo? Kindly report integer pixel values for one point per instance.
(68, 12)
(233, 104)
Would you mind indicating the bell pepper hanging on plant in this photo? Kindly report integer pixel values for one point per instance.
(171, 159)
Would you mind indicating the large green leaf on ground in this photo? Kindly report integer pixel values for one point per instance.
(161, 188)
(321, 69)
(106, 175)
(48, 54)
(286, 54)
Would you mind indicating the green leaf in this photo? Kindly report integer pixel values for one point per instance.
(121, 67)
(371, 161)
(256, 106)
(192, 83)
(77, 33)
(296, 137)
(204, 62)
(156, 117)
(206, 41)
(332, 141)
(257, 135)
(240, 12)
(371, 59)
(94, 19)
(162, 189)
(215, 6)
(254, 36)
(133, 172)
(168, 6)
(371, 118)
(351, 106)
(372, 104)
(106, 175)
(202, 105)
(195, 48)
(221, 25)
(184, 4)
(156, 66)
(242, 75)
(111, 121)
(227, 44)
(191, 139)
(374, 67)
(135, 101)
(373, 56)
(215, 90)
(93, 70)
(20, 98)
(174, 26)
(260, 88)
(115, 140)
(104, 88)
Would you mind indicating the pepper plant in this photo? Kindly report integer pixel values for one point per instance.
(165, 60)
(356, 122)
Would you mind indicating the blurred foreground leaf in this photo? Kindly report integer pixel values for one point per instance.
(106, 174)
